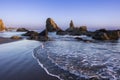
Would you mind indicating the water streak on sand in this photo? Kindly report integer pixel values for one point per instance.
(35, 57)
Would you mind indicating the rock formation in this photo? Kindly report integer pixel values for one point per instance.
(16, 37)
(2, 27)
(61, 32)
(103, 34)
(43, 36)
(51, 26)
(72, 24)
(30, 33)
(22, 30)
(83, 28)
(71, 27)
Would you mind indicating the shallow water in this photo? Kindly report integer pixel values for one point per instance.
(77, 60)
(10, 34)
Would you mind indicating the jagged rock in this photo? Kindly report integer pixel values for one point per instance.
(44, 33)
(22, 30)
(83, 28)
(72, 24)
(118, 33)
(43, 36)
(61, 32)
(16, 37)
(103, 34)
(71, 28)
(84, 40)
(51, 26)
(2, 27)
(30, 33)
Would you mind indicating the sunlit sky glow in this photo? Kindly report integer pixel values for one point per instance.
(33, 13)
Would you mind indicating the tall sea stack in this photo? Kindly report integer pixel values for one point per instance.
(51, 26)
(72, 25)
(2, 27)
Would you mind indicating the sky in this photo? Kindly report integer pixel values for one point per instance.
(33, 13)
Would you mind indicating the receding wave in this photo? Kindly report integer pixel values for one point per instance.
(72, 60)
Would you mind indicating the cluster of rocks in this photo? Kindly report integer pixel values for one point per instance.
(22, 30)
(16, 37)
(72, 30)
(43, 36)
(101, 34)
(2, 27)
(104, 34)
(51, 26)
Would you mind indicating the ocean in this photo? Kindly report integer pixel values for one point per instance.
(64, 58)
(69, 59)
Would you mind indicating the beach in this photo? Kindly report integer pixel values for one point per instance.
(18, 63)
(6, 40)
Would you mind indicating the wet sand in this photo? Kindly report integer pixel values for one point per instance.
(6, 40)
(17, 62)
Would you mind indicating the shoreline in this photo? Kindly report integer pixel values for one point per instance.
(41, 65)
(17, 66)
(6, 40)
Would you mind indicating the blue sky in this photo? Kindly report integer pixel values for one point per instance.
(33, 13)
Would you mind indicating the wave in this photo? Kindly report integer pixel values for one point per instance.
(35, 57)
(72, 60)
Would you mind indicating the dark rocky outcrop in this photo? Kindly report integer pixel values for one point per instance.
(30, 33)
(72, 25)
(82, 30)
(61, 32)
(84, 40)
(51, 26)
(2, 27)
(16, 37)
(104, 34)
(43, 36)
(71, 28)
(22, 30)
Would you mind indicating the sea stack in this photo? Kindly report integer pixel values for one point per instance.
(51, 26)
(104, 34)
(2, 27)
(72, 27)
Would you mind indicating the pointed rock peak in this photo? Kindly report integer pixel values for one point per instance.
(2, 27)
(71, 24)
(51, 26)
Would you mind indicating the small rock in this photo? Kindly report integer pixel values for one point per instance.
(16, 37)
(22, 30)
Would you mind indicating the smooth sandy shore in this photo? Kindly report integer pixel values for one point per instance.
(6, 40)
(17, 62)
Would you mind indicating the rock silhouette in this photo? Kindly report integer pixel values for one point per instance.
(42, 36)
(2, 27)
(22, 30)
(104, 34)
(71, 27)
(51, 26)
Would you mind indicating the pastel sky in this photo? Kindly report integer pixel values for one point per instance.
(33, 13)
